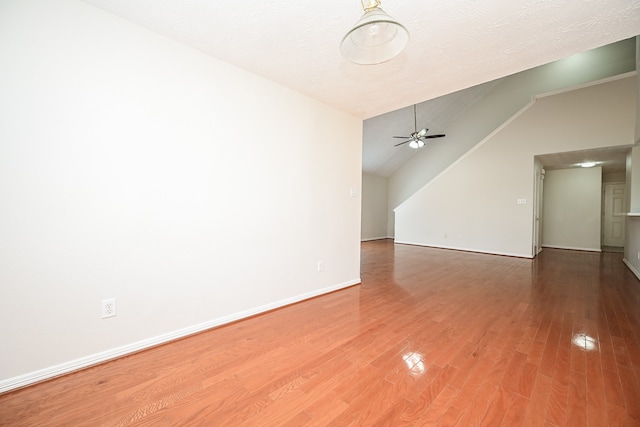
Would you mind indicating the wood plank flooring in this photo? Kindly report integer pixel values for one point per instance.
(431, 337)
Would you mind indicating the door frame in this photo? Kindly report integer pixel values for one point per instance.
(538, 191)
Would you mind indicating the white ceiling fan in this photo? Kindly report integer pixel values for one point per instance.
(417, 138)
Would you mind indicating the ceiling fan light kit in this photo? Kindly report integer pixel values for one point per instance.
(375, 38)
(416, 143)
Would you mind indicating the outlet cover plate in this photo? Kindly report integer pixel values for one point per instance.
(108, 307)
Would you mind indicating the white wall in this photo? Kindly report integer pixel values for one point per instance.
(137, 168)
(633, 164)
(612, 177)
(634, 178)
(473, 204)
(506, 98)
(572, 209)
(632, 227)
(374, 207)
(632, 244)
(637, 134)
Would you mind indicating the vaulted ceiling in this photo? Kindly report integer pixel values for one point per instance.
(457, 47)
(381, 157)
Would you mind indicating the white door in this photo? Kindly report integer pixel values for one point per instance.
(614, 215)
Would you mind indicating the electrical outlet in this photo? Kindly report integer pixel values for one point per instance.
(108, 307)
(320, 266)
(638, 256)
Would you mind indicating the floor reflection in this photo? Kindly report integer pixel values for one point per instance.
(584, 342)
(415, 363)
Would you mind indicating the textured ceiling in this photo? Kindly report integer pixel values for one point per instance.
(455, 44)
(458, 48)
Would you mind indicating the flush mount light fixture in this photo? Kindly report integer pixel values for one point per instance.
(375, 38)
(587, 164)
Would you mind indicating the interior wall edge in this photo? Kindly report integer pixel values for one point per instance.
(41, 375)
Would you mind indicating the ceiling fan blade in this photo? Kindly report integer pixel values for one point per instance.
(422, 132)
(405, 137)
(434, 136)
(403, 142)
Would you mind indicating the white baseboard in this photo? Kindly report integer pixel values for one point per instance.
(375, 238)
(94, 359)
(573, 248)
(632, 268)
(478, 251)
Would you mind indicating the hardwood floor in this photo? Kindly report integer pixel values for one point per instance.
(431, 337)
